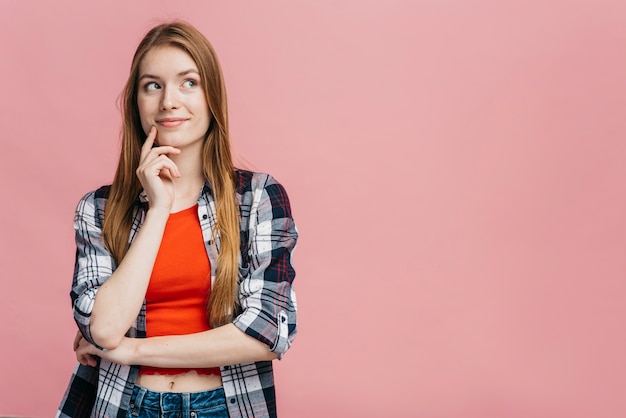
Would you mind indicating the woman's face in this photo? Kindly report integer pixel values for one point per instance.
(170, 97)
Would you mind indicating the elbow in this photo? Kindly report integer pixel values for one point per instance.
(105, 337)
(106, 342)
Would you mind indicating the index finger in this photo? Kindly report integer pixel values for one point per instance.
(149, 142)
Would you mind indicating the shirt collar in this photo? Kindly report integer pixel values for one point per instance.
(206, 188)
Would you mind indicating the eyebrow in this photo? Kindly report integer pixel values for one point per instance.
(181, 74)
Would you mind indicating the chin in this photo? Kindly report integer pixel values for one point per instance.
(169, 138)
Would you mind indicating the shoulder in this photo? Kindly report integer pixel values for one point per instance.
(102, 193)
(261, 189)
(250, 181)
(93, 202)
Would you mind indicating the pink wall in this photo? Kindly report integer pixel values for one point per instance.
(456, 169)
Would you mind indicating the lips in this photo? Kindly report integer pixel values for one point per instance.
(171, 122)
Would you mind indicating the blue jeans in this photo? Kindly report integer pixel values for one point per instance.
(148, 404)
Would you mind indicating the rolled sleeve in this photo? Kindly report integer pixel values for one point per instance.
(266, 293)
(93, 263)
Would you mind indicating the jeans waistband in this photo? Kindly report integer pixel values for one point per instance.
(177, 401)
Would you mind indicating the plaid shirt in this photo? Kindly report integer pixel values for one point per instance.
(268, 303)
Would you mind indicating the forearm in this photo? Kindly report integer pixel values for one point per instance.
(221, 346)
(120, 298)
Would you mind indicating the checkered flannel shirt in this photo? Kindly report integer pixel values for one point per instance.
(268, 303)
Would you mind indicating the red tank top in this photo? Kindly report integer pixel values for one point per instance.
(180, 285)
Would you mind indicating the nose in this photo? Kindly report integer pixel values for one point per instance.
(169, 99)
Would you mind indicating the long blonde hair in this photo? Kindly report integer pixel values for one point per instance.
(216, 155)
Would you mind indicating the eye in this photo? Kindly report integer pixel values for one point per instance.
(189, 83)
(151, 86)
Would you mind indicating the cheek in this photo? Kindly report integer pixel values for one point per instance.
(203, 109)
(144, 115)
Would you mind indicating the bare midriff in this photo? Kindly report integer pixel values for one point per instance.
(183, 382)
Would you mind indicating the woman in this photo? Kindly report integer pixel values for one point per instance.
(182, 287)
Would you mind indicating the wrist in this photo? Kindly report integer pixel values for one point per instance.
(158, 212)
(132, 345)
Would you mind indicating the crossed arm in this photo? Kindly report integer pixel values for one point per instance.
(218, 347)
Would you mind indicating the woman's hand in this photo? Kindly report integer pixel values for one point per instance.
(86, 353)
(156, 171)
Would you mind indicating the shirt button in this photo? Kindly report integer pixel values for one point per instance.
(232, 400)
(205, 216)
(193, 414)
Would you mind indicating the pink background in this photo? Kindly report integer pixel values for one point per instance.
(456, 170)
